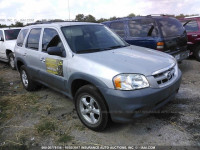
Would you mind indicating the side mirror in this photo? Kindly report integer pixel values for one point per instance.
(1, 39)
(54, 51)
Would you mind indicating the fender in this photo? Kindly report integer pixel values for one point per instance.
(91, 79)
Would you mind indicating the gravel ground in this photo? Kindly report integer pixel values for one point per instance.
(45, 117)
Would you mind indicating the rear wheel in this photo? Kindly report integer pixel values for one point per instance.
(197, 53)
(11, 61)
(28, 84)
(91, 108)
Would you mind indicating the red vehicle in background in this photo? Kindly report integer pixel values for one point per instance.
(192, 26)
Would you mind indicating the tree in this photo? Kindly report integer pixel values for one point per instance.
(131, 15)
(90, 18)
(102, 20)
(18, 24)
(3, 25)
(113, 18)
(80, 17)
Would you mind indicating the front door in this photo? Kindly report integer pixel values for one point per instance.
(52, 70)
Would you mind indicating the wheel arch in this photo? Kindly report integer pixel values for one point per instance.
(19, 63)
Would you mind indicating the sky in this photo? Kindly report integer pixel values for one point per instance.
(32, 10)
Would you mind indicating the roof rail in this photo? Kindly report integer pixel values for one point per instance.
(192, 17)
(48, 22)
(151, 15)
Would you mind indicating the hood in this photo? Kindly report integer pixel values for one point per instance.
(132, 59)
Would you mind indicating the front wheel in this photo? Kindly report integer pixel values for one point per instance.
(11, 61)
(91, 108)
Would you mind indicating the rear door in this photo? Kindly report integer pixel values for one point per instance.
(20, 50)
(174, 35)
(52, 71)
(143, 32)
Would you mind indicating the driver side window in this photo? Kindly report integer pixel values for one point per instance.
(51, 39)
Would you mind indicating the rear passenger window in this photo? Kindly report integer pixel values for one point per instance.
(118, 27)
(51, 39)
(142, 28)
(1, 34)
(192, 26)
(33, 39)
(21, 37)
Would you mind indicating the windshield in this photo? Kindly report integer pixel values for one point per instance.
(11, 34)
(91, 38)
(170, 27)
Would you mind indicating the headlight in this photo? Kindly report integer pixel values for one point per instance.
(130, 81)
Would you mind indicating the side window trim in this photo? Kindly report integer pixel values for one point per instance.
(39, 48)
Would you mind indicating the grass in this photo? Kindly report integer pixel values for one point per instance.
(65, 138)
(46, 126)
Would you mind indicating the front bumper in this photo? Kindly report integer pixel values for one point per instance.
(126, 105)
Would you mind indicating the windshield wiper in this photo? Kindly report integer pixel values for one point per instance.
(117, 46)
(88, 50)
(100, 49)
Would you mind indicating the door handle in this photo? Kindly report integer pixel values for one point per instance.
(24, 54)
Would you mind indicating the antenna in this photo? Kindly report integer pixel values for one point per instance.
(68, 10)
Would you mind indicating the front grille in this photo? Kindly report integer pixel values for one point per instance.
(164, 77)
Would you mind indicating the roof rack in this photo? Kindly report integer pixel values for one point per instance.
(192, 17)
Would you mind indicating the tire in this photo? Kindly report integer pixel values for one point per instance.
(197, 53)
(11, 59)
(28, 84)
(95, 115)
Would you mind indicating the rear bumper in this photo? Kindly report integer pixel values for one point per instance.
(126, 105)
(181, 55)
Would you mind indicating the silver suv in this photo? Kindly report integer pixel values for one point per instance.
(107, 78)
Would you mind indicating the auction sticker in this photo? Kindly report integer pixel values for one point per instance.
(54, 66)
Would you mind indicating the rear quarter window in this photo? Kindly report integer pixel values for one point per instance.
(170, 27)
(118, 27)
(33, 39)
(142, 28)
(21, 37)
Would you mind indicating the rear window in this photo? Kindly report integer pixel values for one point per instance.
(142, 28)
(33, 39)
(11, 34)
(21, 37)
(191, 26)
(118, 27)
(170, 27)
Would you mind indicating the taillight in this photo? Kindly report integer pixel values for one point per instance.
(160, 46)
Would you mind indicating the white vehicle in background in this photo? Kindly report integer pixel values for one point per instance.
(8, 38)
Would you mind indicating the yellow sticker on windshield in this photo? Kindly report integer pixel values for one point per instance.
(54, 66)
